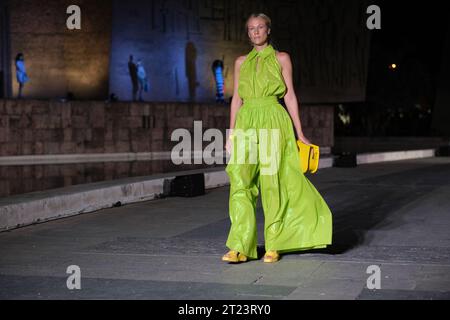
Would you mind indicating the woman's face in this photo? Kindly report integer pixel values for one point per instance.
(258, 31)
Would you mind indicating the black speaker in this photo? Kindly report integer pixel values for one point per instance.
(345, 160)
(443, 151)
(188, 186)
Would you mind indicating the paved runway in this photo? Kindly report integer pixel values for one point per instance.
(395, 216)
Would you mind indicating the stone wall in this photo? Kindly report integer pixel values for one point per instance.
(178, 41)
(38, 177)
(38, 127)
(60, 60)
(3, 50)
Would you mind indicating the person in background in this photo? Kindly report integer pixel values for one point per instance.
(21, 73)
(142, 77)
(132, 67)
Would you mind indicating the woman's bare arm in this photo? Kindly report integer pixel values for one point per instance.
(236, 101)
(290, 98)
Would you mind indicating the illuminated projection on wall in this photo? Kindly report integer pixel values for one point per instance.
(217, 69)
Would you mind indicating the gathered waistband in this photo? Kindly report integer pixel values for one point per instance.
(261, 101)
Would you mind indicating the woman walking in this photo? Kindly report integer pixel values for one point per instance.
(296, 217)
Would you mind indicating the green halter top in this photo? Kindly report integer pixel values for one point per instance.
(260, 75)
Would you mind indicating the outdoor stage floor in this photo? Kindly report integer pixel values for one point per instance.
(394, 215)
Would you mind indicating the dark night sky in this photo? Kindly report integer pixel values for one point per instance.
(411, 29)
(412, 36)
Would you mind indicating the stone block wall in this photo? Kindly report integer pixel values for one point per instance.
(59, 60)
(30, 178)
(38, 127)
(178, 42)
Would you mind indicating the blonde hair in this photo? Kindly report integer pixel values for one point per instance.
(266, 19)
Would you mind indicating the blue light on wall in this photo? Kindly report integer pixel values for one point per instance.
(217, 68)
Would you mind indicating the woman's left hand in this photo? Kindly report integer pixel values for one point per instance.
(302, 138)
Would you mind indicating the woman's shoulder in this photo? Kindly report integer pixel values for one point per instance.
(240, 59)
(283, 58)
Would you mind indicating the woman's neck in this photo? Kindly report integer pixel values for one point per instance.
(261, 47)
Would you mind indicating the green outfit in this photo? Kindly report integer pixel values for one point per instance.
(296, 216)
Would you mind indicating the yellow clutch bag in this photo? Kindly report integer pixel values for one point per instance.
(309, 157)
